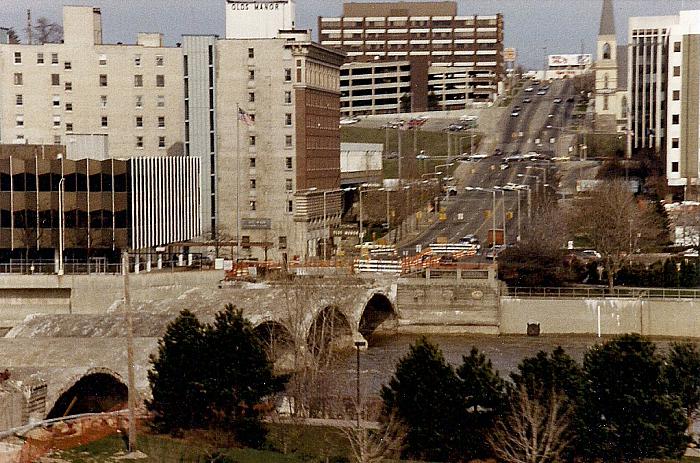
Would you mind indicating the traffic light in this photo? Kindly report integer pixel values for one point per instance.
(487, 213)
(509, 215)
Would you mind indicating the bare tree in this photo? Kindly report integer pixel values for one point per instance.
(45, 31)
(369, 445)
(533, 431)
(614, 223)
(12, 36)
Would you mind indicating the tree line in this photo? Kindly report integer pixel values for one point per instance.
(626, 401)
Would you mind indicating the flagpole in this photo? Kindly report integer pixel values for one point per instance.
(238, 182)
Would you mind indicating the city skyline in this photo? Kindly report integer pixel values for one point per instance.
(524, 20)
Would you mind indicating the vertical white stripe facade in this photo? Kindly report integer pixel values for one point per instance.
(165, 196)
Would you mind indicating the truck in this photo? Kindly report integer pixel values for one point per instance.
(497, 234)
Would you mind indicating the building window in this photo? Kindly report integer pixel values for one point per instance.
(103, 80)
(68, 86)
(55, 79)
(605, 103)
(54, 58)
(138, 80)
(67, 65)
(288, 119)
(290, 205)
(103, 60)
(676, 95)
(251, 140)
(56, 101)
(161, 122)
(287, 97)
(288, 163)
(20, 138)
(283, 242)
(288, 184)
(56, 139)
(69, 126)
(139, 143)
(160, 101)
(245, 242)
(675, 143)
(677, 47)
(251, 97)
(675, 119)
(159, 60)
(161, 142)
(252, 163)
(251, 53)
(103, 101)
(287, 141)
(57, 121)
(287, 75)
(39, 58)
(160, 80)
(674, 166)
(139, 101)
(139, 122)
(19, 120)
(606, 51)
(252, 205)
(69, 107)
(137, 60)
(676, 71)
(251, 74)
(18, 78)
(104, 121)
(19, 100)
(18, 57)
(253, 183)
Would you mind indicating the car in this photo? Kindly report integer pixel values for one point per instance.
(515, 157)
(515, 114)
(591, 254)
(510, 186)
(422, 117)
(476, 157)
(571, 99)
(494, 251)
(422, 157)
(549, 116)
(468, 118)
(561, 158)
(529, 89)
(531, 155)
(527, 100)
(470, 238)
(349, 121)
(451, 190)
(545, 87)
(548, 126)
(542, 92)
(504, 166)
(536, 82)
(455, 127)
(557, 100)
(517, 108)
(497, 152)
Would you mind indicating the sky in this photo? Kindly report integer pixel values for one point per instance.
(531, 26)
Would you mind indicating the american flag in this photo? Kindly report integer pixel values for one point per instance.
(245, 117)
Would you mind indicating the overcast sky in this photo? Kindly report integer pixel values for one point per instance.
(530, 25)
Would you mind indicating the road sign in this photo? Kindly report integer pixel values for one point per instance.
(460, 216)
(419, 248)
(510, 54)
(443, 216)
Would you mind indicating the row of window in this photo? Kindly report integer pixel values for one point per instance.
(28, 219)
(287, 163)
(102, 60)
(47, 182)
(104, 122)
(56, 80)
(287, 74)
(288, 184)
(56, 102)
(287, 97)
(245, 239)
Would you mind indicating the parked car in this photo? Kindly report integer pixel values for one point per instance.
(542, 92)
(515, 114)
(349, 121)
(455, 127)
(557, 100)
(529, 89)
(527, 100)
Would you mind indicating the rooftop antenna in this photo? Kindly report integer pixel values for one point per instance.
(29, 26)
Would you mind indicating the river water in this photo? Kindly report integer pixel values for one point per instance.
(377, 363)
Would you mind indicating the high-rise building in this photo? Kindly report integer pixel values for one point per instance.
(263, 113)
(610, 88)
(414, 55)
(647, 80)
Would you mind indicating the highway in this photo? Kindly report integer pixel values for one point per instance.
(469, 212)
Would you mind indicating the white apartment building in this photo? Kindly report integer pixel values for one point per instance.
(272, 180)
(683, 101)
(130, 93)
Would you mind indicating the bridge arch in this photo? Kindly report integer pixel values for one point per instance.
(276, 338)
(330, 330)
(376, 312)
(98, 390)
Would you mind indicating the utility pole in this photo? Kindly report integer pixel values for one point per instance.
(398, 133)
(129, 353)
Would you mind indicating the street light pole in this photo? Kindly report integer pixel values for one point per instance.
(131, 391)
(362, 235)
(61, 225)
(358, 344)
(518, 237)
(325, 227)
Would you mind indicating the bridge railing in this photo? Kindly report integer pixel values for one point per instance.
(597, 292)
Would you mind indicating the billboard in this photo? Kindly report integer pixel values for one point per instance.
(510, 54)
(258, 19)
(569, 60)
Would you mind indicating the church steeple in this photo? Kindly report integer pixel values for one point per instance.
(607, 19)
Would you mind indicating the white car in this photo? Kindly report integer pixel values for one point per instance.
(515, 114)
(561, 158)
(477, 157)
(542, 92)
(468, 118)
(349, 121)
(529, 89)
(557, 100)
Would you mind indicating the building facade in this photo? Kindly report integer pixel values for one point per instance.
(130, 93)
(103, 206)
(426, 35)
(564, 66)
(263, 113)
(610, 91)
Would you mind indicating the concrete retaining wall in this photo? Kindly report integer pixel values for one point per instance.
(671, 318)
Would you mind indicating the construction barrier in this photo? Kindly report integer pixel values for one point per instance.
(378, 266)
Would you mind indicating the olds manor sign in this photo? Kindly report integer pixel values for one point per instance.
(247, 19)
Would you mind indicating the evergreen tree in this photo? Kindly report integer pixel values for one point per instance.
(240, 376)
(628, 413)
(670, 274)
(176, 377)
(682, 372)
(424, 395)
(689, 274)
(483, 393)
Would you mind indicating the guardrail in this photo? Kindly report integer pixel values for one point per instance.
(601, 292)
(377, 266)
